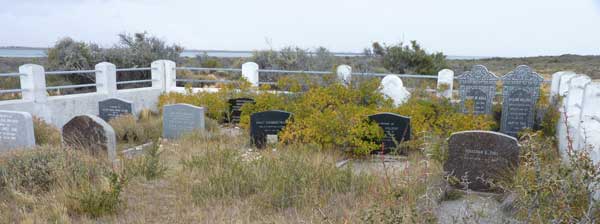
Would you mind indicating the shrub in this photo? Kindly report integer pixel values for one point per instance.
(96, 201)
(149, 165)
(45, 134)
(411, 58)
(132, 131)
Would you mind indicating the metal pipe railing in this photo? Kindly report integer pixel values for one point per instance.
(295, 72)
(12, 74)
(134, 69)
(209, 69)
(4, 91)
(72, 86)
(204, 81)
(135, 81)
(77, 72)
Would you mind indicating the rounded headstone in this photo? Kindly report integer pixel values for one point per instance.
(445, 80)
(393, 88)
(344, 74)
(250, 72)
(88, 132)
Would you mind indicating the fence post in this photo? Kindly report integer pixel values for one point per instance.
(170, 75)
(250, 72)
(106, 78)
(344, 74)
(33, 83)
(157, 72)
(445, 83)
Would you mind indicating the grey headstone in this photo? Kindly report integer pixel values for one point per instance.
(16, 130)
(88, 132)
(482, 157)
(179, 119)
(521, 90)
(478, 85)
(114, 107)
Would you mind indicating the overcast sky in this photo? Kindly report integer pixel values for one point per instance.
(456, 27)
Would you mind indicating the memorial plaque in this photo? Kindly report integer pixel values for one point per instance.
(478, 86)
(235, 109)
(395, 127)
(521, 90)
(482, 157)
(16, 130)
(113, 107)
(266, 123)
(179, 119)
(88, 132)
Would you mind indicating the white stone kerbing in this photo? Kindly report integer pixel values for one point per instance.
(344, 74)
(589, 127)
(554, 87)
(445, 80)
(393, 88)
(250, 72)
(571, 107)
(563, 84)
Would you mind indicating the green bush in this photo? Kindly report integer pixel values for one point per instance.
(131, 131)
(45, 134)
(149, 165)
(402, 59)
(94, 201)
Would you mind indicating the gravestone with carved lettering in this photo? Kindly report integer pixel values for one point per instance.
(395, 127)
(266, 123)
(477, 90)
(521, 90)
(114, 107)
(89, 132)
(16, 130)
(235, 109)
(179, 119)
(481, 158)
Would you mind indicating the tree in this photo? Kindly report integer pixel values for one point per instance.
(411, 58)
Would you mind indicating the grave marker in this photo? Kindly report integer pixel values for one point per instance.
(179, 119)
(478, 85)
(266, 123)
(235, 109)
(114, 107)
(521, 90)
(481, 156)
(90, 133)
(16, 130)
(395, 127)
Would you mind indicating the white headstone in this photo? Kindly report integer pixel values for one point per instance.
(344, 74)
(589, 129)
(445, 81)
(250, 72)
(16, 130)
(571, 108)
(393, 88)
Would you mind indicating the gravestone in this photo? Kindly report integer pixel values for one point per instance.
(445, 83)
(478, 86)
(179, 119)
(521, 90)
(88, 132)
(569, 130)
(555, 84)
(393, 88)
(482, 157)
(235, 109)
(395, 127)
(16, 130)
(589, 134)
(114, 107)
(267, 123)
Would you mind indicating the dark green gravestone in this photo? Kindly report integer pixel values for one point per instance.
(266, 123)
(235, 109)
(521, 90)
(395, 127)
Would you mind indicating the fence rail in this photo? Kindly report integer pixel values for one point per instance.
(133, 69)
(136, 81)
(4, 91)
(209, 69)
(71, 86)
(75, 72)
(12, 74)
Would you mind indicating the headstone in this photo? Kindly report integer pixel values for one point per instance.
(267, 123)
(521, 90)
(395, 127)
(344, 74)
(250, 72)
(572, 109)
(445, 83)
(589, 134)
(179, 119)
(481, 157)
(393, 88)
(90, 133)
(16, 130)
(114, 107)
(235, 109)
(478, 86)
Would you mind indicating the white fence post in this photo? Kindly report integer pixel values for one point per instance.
(157, 71)
(344, 74)
(33, 83)
(445, 83)
(170, 75)
(250, 72)
(106, 78)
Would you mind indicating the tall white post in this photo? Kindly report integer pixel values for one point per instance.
(157, 72)
(33, 83)
(250, 72)
(445, 83)
(344, 74)
(170, 75)
(106, 78)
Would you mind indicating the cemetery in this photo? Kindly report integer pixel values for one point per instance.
(344, 147)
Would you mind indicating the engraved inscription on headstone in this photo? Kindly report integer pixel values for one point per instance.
(235, 109)
(521, 90)
(16, 130)
(179, 119)
(481, 157)
(266, 123)
(88, 132)
(395, 127)
(479, 87)
(114, 107)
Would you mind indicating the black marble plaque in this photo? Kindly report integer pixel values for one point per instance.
(235, 109)
(395, 127)
(266, 123)
(114, 107)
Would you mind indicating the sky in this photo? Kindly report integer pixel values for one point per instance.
(506, 28)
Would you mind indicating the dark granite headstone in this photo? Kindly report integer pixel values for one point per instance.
(482, 157)
(395, 127)
(479, 86)
(521, 90)
(179, 119)
(114, 107)
(235, 109)
(88, 132)
(16, 130)
(266, 123)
